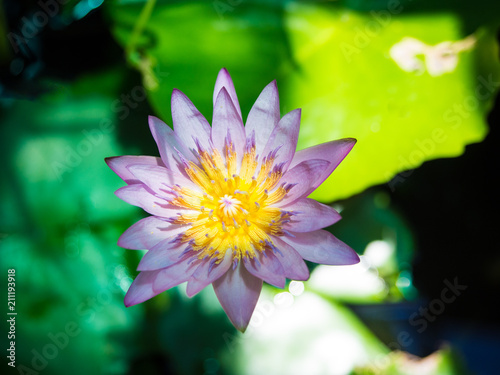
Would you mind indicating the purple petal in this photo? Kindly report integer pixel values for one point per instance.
(139, 195)
(169, 145)
(334, 152)
(206, 273)
(174, 275)
(164, 254)
(189, 123)
(268, 268)
(141, 289)
(238, 292)
(303, 176)
(148, 232)
(264, 116)
(224, 80)
(160, 179)
(293, 264)
(284, 136)
(226, 120)
(119, 165)
(322, 247)
(310, 215)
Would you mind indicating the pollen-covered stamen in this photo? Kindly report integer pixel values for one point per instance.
(249, 162)
(230, 153)
(234, 208)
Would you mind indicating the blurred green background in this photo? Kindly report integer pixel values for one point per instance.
(415, 81)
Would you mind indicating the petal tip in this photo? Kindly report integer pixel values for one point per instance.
(129, 301)
(355, 259)
(351, 140)
(109, 159)
(349, 143)
(145, 265)
(223, 91)
(224, 78)
(242, 329)
(176, 93)
(113, 162)
(240, 324)
(190, 290)
(119, 193)
(124, 242)
(155, 121)
(304, 277)
(120, 242)
(224, 71)
(348, 257)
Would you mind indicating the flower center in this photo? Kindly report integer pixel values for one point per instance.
(229, 206)
(231, 212)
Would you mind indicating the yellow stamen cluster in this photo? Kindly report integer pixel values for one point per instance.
(234, 211)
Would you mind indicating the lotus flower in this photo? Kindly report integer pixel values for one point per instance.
(229, 202)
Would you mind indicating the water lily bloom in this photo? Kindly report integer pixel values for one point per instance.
(229, 202)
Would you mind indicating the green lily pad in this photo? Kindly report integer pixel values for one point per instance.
(380, 78)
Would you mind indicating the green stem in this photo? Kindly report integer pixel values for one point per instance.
(139, 27)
